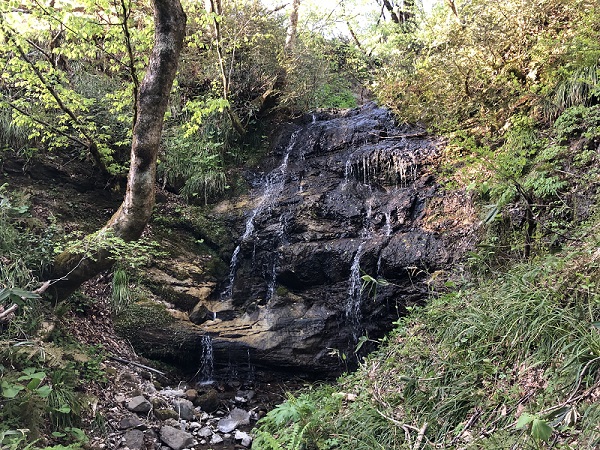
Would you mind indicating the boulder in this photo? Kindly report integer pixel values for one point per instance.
(139, 404)
(175, 438)
(129, 422)
(133, 440)
(185, 409)
(208, 401)
(245, 438)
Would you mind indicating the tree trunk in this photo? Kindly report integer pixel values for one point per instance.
(71, 269)
(390, 9)
(292, 30)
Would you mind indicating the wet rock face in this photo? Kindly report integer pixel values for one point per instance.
(343, 195)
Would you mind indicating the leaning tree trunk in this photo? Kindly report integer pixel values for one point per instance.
(72, 268)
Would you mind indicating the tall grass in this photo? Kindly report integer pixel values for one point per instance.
(120, 298)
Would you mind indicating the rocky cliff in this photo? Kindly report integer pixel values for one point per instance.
(344, 194)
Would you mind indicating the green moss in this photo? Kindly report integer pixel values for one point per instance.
(282, 291)
(142, 316)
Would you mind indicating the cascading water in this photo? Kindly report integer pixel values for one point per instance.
(353, 312)
(387, 229)
(274, 183)
(353, 305)
(207, 360)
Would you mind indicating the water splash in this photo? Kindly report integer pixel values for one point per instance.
(274, 184)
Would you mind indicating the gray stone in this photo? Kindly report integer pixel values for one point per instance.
(173, 392)
(176, 439)
(205, 432)
(139, 404)
(129, 422)
(242, 417)
(134, 440)
(216, 439)
(244, 437)
(185, 409)
(227, 425)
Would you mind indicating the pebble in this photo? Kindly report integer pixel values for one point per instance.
(216, 439)
(244, 437)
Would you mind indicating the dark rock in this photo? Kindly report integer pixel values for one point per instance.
(208, 401)
(129, 422)
(350, 194)
(139, 404)
(134, 440)
(174, 438)
(200, 314)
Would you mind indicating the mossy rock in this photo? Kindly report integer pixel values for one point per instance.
(165, 413)
(142, 316)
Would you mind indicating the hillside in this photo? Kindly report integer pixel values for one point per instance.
(439, 245)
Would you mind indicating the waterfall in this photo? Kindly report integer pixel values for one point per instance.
(272, 274)
(387, 229)
(207, 365)
(274, 183)
(354, 302)
(353, 313)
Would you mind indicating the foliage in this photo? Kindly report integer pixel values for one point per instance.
(26, 245)
(130, 254)
(121, 294)
(36, 395)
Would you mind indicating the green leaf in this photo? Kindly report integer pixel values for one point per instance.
(541, 430)
(24, 294)
(64, 409)
(524, 420)
(34, 383)
(43, 391)
(10, 390)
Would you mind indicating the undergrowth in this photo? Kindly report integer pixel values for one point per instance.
(43, 371)
(508, 362)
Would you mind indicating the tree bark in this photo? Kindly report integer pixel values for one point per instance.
(292, 30)
(452, 7)
(71, 269)
(390, 9)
